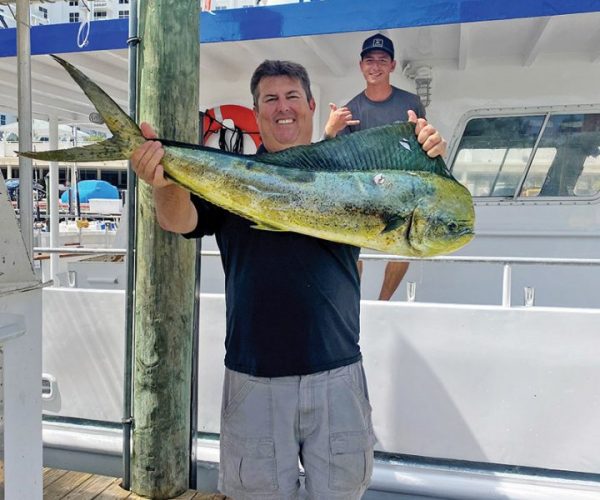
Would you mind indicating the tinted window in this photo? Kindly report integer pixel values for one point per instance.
(555, 154)
(567, 162)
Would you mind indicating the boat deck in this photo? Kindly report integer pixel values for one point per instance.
(73, 485)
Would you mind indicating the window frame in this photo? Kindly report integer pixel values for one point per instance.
(516, 199)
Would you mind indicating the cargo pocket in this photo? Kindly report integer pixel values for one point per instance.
(359, 389)
(351, 459)
(250, 464)
(230, 406)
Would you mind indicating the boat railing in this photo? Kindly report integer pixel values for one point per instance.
(506, 262)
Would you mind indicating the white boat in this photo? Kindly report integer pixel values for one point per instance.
(483, 386)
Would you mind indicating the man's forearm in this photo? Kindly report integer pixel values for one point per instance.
(394, 272)
(175, 211)
(329, 133)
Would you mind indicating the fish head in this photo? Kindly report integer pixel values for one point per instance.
(444, 222)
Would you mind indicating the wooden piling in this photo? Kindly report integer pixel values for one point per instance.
(165, 264)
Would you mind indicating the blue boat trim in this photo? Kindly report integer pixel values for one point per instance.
(303, 19)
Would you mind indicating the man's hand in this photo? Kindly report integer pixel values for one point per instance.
(175, 211)
(430, 139)
(145, 160)
(339, 119)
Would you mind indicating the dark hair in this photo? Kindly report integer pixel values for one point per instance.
(279, 68)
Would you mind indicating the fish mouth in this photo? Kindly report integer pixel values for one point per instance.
(466, 235)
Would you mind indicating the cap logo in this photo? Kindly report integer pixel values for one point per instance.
(378, 42)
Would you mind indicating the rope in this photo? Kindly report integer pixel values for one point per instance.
(84, 27)
(236, 141)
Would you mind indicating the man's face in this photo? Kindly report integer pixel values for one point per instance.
(376, 66)
(283, 113)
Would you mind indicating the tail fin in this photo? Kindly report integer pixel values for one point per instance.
(126, 134)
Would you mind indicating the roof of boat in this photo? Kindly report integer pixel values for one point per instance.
(325, 36)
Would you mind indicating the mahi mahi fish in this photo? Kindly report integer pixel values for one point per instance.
(375, 189)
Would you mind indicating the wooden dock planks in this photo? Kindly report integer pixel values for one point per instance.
(71, 485)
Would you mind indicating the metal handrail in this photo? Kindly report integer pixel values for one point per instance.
(81, 250)
(506, 262)
(551, 261)
(489, 260)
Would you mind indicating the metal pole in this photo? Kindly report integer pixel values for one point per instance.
(193, 483)
(75, 177)
(506, 285)
(52, 197)
(130, 296)
(25, 142)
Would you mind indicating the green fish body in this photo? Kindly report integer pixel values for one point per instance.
(374, 189)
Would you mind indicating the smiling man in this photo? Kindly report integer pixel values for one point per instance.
(294, 387)
(283, 105)
(381, 104)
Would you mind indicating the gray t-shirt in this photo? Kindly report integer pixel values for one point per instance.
(376, 113)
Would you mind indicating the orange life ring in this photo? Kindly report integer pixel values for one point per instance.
(242, 117)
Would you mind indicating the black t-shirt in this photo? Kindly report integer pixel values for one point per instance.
(293, 301)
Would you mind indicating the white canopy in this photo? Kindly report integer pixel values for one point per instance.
(40, 128)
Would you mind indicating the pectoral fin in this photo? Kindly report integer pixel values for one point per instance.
(393, 222)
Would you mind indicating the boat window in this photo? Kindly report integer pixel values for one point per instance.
(567, 162)
(542, 155)
(493, 153)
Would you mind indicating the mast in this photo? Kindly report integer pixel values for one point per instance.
(25, 114)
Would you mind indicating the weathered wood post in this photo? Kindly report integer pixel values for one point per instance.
(165, 266)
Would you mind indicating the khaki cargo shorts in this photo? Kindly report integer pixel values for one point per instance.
(269, 425)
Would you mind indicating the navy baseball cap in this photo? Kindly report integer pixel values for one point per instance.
(378, 42)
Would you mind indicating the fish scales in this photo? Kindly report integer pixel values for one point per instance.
(271, 202)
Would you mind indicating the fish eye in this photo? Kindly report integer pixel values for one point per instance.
(379, 179)
(452, 226)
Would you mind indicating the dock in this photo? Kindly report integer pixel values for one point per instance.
(72, 485)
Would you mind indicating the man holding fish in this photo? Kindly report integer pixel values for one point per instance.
(294, 384)
(379, 104)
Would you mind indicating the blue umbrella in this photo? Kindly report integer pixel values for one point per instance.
(12, 187)
(92, 189)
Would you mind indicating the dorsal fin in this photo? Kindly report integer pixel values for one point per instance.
(391, 147)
